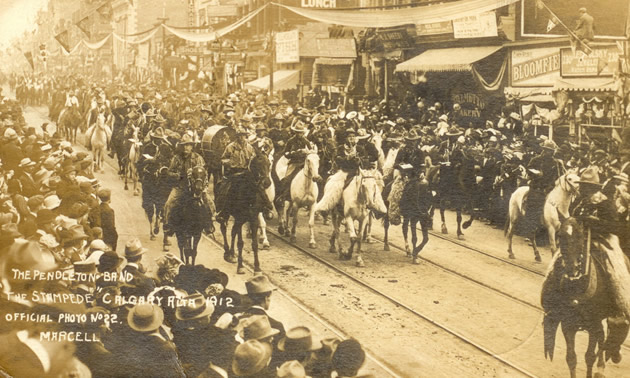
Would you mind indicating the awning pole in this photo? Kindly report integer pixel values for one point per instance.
(386, 81)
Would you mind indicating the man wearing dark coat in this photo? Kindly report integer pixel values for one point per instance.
(108, 219)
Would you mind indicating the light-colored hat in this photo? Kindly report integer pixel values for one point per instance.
(145, 317)
(134, 248)
(196, 307)
(258, 327)
(251, 357)
(52, 202)
(291, 369)
(259, 284)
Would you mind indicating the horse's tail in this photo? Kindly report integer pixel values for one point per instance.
(332, 192)
(550, 327)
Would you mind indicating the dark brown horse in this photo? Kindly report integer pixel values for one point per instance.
(578, 294)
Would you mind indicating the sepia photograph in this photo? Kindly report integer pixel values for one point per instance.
(314, 188)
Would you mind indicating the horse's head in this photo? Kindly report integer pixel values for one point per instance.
(311, 166)
(259, 168)
(572, 247)
(569, 183)
(197, 181)
(370, 191)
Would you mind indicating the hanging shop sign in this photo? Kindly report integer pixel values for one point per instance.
(397, 38)
(476, 26)
(472, 104)
(535, 67)
(318, 3)
(434, 28)
(288, 47)
(601, 62)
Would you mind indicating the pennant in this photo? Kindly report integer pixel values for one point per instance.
(552, 23)
(64, 40)
(105, 11)
(601, 64)
(29, 57)
(84, 25)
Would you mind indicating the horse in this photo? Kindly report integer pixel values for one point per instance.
(133, 156)
(156, 187)
(362, 195)
(456, 184)
(189, 216)
(415, 207)
(69, 120)
(270, 192)
(244, 205)
(579, 293)
(304, 193)
(98, 136)
(557, 202)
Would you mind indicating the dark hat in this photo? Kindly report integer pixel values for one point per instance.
(109, 261)
(104, 194)
(145, 317)
(412, 135)
(84, 267)
(134, 248)
(298, 340)
(348, 357)
(35, 201)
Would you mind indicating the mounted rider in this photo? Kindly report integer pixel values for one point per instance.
(295, 151)
(409, 163)
(236, 159)
(180, 169)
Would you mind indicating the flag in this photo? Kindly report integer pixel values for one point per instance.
(84, 25)
(29, 57)
(551, 24)
(105, 11)
(579, 45)
(64, 40)
(601, 64)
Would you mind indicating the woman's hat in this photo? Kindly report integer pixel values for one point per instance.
(454, 131)
(257, 327)
(251, 357)
(299, 339)
(145, 317)
(196, 307)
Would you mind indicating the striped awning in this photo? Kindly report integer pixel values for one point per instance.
(585, 84)
(444, 60)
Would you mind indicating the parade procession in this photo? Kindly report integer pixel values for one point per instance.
(339, 188)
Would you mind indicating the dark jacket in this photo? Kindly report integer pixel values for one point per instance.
(108, 224)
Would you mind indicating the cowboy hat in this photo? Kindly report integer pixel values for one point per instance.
(10, 134)
(304, 112)
(299, 127)
(240, 130)
(412, 135)
(159, 118)
(443, 117)
(158, 133)
(258, 285)
(26, 162)
(394, 137)
(196, 307)
(207, 109)
(363, 134)
(589, 176)
(261, 127)
(351, 115)
(52, 202)
(257, 327)
(251, 357)
(186, 139)
(454, 131)
(145, 317)
(549, 145)
(109, 261)
(515, 116)
(299, 339)
(134, 248)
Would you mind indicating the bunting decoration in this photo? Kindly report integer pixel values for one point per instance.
(64, 40)
(105, 11)
(29, 57)
(552, 23)
(84, 25)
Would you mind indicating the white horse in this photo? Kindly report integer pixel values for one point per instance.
(304, 192)
(360, 197)
(556, 202)
(98, 136)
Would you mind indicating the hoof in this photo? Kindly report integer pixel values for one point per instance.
(416, 260)
(444, 229)
(511, 255)
(368, 240)
(266, 245)
(240, 270)
(126, 188)
(293, 239)
(344, 256)
(281, 230)
(360, 262)
(460, 235)
(229, 258)
(409, 254)
(599, 375)
(386, 247)
(312, 245)
(466, 224)
(537, 258)
(165, 248)
(152, 237)
(156, 230)
(332, 249)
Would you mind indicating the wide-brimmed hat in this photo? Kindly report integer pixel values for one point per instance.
(515, 116)
(454, 131)
(158, 133)
(9, 231)
(84, 266)
(291, 369)
(52, 202)
(258, 327)
(351, 115)
(28, 255)
(98, 244)
(258, 285)
(412, 135)
(589, 176)
(145, 317)
(27, 162)
(196, 307)
(207, 109)
(394, 136)
(240, 130)
(261, 127)
(159, 118)
(443, 117)
(363, 134)
(10, 134)
(299, 127)
(134, 248)
(258, 115)
(109, 261)
(299, 339)
(251, 357)
(73, 233)
(304, 112)
(45, 216)
(549, 145)
(186, 139)
(273, 103)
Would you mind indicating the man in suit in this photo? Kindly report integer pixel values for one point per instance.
(108, 219)
(585, 28)
(140, 284)
(259, 291)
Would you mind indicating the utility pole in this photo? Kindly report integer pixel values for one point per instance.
(272, 46)
(163, 20)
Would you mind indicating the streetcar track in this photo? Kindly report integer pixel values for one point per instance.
(398, 303)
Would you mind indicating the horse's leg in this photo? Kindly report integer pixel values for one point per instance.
(288, 210)
(240, 243)
(405, 226)
(263, 230)
(359, 238)
(509, 232)
(569, 337)
(444, 229)
(294, 221)
(353, 238)
(535, 247)
(311, 225)
(386, 233)
(460, 234)
(227, 256)
(551, 232)
(367, 232)
(254, 225)
(425, 240)
(195, 245)
(595, 337)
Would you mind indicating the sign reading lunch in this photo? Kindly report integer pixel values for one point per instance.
(318, 3)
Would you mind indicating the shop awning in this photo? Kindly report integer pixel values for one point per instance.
(585, 84)
(451, 59)
(530, 94)
(333, 62)
(332, 71)
(283, 79)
